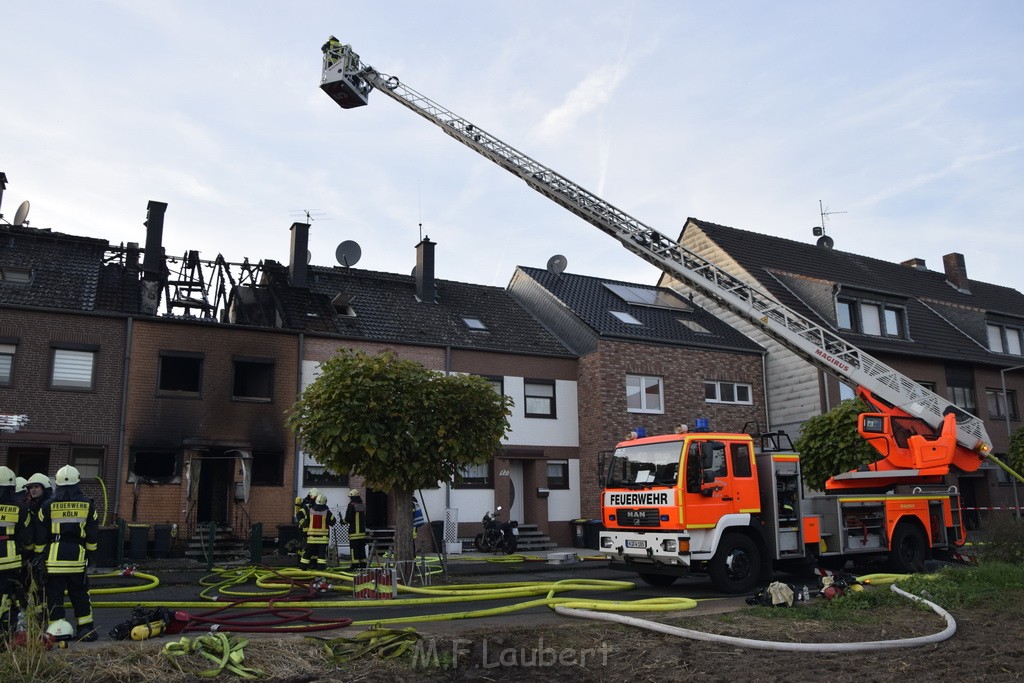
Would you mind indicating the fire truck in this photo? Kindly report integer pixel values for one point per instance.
(733, 505)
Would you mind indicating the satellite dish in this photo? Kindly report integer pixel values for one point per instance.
(348, 253)
(826, 241)
(309, 257)
(557, 264)
(21, 214)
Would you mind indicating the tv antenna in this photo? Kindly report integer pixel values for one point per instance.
(819, 230)
(310, 214)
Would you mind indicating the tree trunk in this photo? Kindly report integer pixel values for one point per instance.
(404, 548)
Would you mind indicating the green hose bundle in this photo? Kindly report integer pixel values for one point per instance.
(385, 643)
(223, 649)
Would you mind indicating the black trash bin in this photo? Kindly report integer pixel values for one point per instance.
(138, 541)
(106, 547)
(162, 540)
(286, 533)
(437, 531)
(578, 536)
(592, 534)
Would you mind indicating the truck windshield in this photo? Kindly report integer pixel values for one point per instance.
(655, 464)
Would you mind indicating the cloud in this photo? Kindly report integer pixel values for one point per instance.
(595, 90)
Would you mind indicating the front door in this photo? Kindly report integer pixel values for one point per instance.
(215, 487)
(515, 491)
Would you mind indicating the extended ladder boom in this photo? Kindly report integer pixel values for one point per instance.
(349, 82)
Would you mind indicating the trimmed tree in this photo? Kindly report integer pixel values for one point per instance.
(830, 444)
(399, 425)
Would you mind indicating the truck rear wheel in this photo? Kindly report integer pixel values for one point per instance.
(736, 567)
(909, 549)
(658, 580)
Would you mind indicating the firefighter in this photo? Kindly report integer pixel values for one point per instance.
(306, 502)
(316, 524)
(354, 514)
(39, 491)
(20, 492)
(66, 535)
(14, 537)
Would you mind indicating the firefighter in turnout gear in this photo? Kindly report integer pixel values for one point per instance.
(15, 536)
(307, 502)
(67, 532)
(316, 523)
(354, 517)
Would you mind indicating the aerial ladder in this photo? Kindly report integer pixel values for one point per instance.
(949, 436)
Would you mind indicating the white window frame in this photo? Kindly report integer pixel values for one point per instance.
(638, 386)
(735, 385)
(73, 369)
(7, 353)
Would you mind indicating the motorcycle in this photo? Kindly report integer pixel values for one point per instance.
(497, 535)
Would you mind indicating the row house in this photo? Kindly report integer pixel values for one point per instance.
(450, 327)
(959, 337)
(649, 359)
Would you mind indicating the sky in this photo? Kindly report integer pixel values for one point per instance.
(903, 120)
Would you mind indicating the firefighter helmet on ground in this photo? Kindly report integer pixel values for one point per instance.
(7, 477)
(59, 633)
(39, 478)
(67, 476)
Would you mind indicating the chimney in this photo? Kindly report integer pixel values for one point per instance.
(915, 263)
(153, 264)
(3, 186)
(956, 271)
(299, 255)
(131, 261)
(426, 291)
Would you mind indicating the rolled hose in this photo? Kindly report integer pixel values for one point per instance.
(777, 645)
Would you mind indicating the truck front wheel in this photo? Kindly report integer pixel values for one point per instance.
(736, 567)
(909, 549)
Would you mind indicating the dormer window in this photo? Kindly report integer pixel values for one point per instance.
(875, 318)
(1004, 339)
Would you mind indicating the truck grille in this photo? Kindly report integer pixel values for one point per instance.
(627, 517)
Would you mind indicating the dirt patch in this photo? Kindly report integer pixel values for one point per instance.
(988, 645)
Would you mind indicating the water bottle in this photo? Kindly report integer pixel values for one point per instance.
(805, 594)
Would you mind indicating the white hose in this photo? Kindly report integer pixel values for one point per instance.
(776, 645)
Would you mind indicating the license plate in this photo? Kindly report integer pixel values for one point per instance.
(630, 543)
(515, 531)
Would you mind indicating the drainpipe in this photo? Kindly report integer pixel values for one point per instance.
(447, 485)
(298, 392)
(764, 381)
(124, 413)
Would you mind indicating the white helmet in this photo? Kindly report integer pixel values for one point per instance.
(67, 476)
(59, 633)
(39, 478)
(19, 484)
(7, 477)
(313, 493)
(353, 493)
(321, 499)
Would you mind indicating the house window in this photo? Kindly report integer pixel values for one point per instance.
(475, 324)
(267, 468)
(157, 466)
(6, 363)
(960, 387)
(728, 392)
(626, 317)
(19, 276)
(1004, 339)
(254, 380)
(644, 394)
(73, 368)
(558, 474)
(88, 460)
(997, 407)
(180, 373)
(318, 476)
(476, 476)
(498, 384)
(540, 398)
(871, 317)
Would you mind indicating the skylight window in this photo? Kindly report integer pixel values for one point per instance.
(19, 275)
(695, 326)
(474, 323)
(645, 296)
(626, 317)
